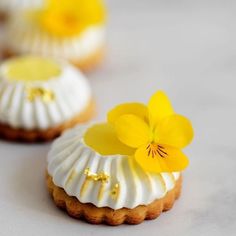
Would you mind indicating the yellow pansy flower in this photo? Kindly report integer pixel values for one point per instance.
(71, 17)
(155, 131)
(154, 134)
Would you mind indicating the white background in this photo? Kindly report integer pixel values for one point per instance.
(188, 49)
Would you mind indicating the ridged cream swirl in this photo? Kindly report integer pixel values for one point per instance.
(15, 5)
(72, 94)
(34, 40)
(70, 157)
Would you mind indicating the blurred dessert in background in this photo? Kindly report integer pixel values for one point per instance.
(41, 97)
(73, 30)
(10, 6)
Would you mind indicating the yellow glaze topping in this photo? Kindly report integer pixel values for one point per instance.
(105, 133)
(30, 69)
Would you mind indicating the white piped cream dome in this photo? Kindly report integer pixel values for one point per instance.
(38, 93)
(76, 35)
(35, 41)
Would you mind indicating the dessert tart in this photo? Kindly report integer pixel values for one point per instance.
(41, 97)
(73, 30)
(125, 170)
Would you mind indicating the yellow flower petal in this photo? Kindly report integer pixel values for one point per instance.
(162, 158)
(62, 23)
(148, 163)
(159, 107)
(175, 130)
(72, 17)
(132, 130)
(102, 138)
(137, 109)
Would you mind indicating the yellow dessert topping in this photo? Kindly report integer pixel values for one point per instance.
(46, 95)
(30, 69)
(101, 178)
(153, 134)
(115, 191)
(105, 133)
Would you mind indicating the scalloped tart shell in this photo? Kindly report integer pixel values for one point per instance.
(106, 215)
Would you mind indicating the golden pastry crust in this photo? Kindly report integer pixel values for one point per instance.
(106, 215)
(85, 64)
(13, 134)
(89, 63)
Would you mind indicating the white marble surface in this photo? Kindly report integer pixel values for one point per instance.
(187, 48)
